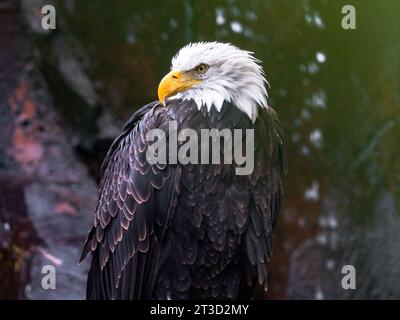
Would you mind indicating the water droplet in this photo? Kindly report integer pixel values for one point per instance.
(219, 16)
(312, 68)
(296, 137)
(317, 100)
(236, 27)
(173, 23)
(308, 18)
(330, 264)
(248, 33)
(251, 15)
(305, 114)
(332, 222)
(316, 138)
(318, 21)
(312, 193)
(305, 150)
(321, 57)
(130, 38)
(322, 239)
(319, 295)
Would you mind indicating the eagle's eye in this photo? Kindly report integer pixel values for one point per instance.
(201, 68)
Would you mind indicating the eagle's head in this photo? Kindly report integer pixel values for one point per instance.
(212, 72)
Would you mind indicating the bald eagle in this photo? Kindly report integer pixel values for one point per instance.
(193, 230)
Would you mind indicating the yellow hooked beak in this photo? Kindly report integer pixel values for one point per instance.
(174, 82)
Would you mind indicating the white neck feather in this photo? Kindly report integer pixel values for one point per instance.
(234, 76)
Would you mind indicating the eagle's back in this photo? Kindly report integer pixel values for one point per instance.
(185, 231)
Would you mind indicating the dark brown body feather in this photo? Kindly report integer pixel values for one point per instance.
(184, 231)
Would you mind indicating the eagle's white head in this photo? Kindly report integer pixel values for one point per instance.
(212, 72)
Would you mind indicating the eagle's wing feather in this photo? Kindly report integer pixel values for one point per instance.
(135, 201)
(266, 191)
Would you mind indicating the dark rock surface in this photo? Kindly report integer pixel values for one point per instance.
(46, 194)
